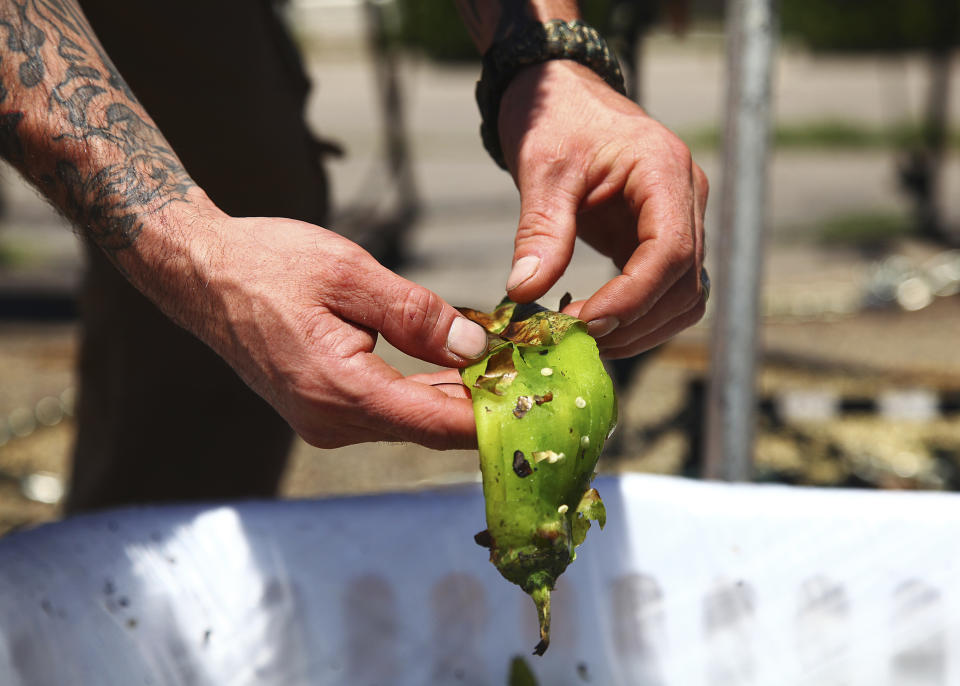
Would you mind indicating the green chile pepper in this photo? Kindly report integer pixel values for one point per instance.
(544, 405)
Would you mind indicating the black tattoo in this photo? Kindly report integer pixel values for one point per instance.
(28, 41)
(90, 104)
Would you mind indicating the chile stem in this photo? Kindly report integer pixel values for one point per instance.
(541, 598)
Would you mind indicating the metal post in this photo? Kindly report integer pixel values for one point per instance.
(731, 398)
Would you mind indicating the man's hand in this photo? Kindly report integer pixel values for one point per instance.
(589, 162)
(296, 311)
(293, 308)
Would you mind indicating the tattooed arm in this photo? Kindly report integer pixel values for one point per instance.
(293, 308)
(71, 126)
(590, 163)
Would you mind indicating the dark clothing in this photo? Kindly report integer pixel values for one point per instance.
(160, 416)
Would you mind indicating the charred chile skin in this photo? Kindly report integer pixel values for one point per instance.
(544, 405)
(520, 465)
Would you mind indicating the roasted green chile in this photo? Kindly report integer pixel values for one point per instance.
(544, 405)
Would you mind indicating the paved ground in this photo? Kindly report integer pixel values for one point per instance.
(462, 248)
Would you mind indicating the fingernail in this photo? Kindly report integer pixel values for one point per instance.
(466, 339)
(524, 268)
(602, 326)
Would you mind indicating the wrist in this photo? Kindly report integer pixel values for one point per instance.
(174, 257)
(529, 46)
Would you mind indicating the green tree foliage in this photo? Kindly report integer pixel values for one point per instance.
(871, 25)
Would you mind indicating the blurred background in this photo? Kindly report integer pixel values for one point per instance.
(858, 378)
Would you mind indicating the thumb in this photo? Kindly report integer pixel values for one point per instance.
(413, 319)
(545, 238)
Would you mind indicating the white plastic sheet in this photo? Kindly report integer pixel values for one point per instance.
(690, 583)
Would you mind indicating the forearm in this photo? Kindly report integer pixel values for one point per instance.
(489, 21)
(71, 126)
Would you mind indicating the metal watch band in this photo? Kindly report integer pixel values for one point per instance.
(534, 44)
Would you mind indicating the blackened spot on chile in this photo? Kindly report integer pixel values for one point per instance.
(520, 465)
(483, 538)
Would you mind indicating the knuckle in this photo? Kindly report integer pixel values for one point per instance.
(694, 298)
(681, 256)
(326, 440)
(690, 301)
(678, 152)
(337, 276)
(417, 309)
(318, 433)
(700, 180)
(408, 422)
(428, 430)
(694, 314)
(681, 153)
(341, 269)
(535, 223)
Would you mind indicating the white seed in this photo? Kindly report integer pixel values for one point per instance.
(563, 509)
(584, 442)
(546, 371)
(580, 402)
(548, 455)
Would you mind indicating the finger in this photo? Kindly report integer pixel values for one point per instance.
(372, 401)
(448, 381)
(546, 234)
(655, 266)
(661, 335)
(574, 308)
(438, 377)
(701, 193)
(407, 410)
(683, 297)
(454, 390)
(597, 329)
(412, 318)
